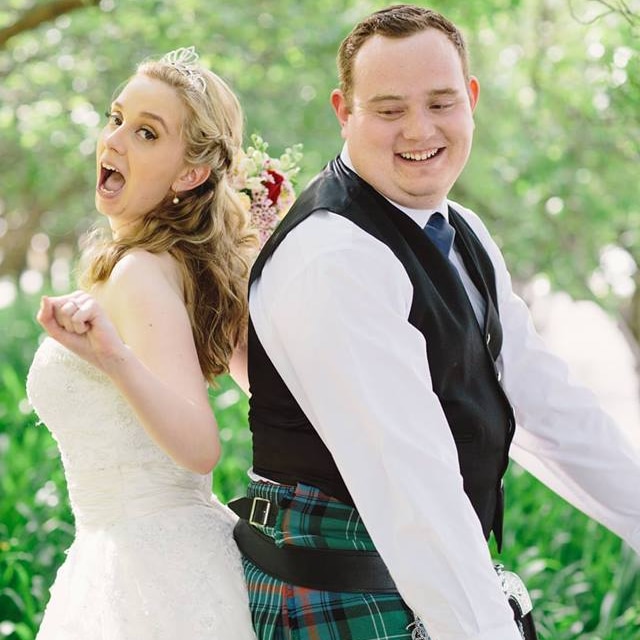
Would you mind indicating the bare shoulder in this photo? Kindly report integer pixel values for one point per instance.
(142, 269)
(149, 282)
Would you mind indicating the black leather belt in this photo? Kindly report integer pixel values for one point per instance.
(321, 569)
(258, 511)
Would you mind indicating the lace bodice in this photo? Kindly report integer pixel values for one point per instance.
(114, 469)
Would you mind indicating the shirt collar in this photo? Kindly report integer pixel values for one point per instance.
(419, 216)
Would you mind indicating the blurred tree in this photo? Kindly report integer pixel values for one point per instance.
(553, 173)
(557, 137)
(625, 9)
(35, 15)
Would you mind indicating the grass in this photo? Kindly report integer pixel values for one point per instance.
(584, 582)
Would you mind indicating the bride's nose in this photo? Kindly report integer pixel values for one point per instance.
(115, 140)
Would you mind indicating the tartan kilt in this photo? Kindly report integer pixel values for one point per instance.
(282, 611)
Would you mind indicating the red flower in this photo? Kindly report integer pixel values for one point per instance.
(273, 185)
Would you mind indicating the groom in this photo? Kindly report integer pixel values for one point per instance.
(386, 352)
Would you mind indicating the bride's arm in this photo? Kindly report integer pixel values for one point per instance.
(238, 368)
(148, 352)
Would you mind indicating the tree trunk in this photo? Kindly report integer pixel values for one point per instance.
(38, 14)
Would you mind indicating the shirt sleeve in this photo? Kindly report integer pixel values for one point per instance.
(331, 309)
(563, 436)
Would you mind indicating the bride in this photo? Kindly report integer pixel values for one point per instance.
(121, 379)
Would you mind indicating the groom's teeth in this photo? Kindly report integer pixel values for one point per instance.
(424, 155)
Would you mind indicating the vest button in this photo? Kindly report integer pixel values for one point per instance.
(488, 338)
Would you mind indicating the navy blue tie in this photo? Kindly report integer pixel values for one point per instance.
(441, 233)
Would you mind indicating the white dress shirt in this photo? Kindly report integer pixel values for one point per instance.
(331, 310)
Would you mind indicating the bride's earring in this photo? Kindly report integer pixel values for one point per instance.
(175, 198)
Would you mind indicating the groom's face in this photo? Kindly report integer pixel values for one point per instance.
(409, 124)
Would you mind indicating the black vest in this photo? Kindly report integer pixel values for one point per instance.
(461, 356)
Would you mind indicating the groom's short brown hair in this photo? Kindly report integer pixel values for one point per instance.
(397, 21)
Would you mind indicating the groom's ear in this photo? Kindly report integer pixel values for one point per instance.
(342, 110)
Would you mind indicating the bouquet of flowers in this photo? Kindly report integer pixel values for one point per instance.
(266, 184)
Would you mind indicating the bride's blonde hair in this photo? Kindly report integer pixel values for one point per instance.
(207, 231)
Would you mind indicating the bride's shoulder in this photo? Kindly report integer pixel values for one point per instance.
(139, 267)
(140, 276)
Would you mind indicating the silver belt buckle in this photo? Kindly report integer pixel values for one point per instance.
(264, 515)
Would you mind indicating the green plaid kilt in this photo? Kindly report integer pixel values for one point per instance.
(282, 611)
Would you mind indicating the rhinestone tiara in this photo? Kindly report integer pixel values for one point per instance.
(184, 60)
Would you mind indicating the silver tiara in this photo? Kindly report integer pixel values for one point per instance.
(183, 60)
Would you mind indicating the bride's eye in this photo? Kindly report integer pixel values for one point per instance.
(147, 133)
(113, 118)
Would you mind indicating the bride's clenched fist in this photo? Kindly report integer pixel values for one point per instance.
(78, 322)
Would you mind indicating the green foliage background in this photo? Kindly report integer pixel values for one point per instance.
(554, 174)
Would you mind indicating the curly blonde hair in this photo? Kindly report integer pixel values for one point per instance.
(207, 231)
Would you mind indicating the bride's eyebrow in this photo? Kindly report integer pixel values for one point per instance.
(148, 114)
(156, 117)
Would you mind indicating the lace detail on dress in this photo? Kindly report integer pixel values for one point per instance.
(81, 407)
(154, 556)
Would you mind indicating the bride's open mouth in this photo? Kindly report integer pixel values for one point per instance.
(110, 181)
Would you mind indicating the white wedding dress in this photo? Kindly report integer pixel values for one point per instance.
(153, 557)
